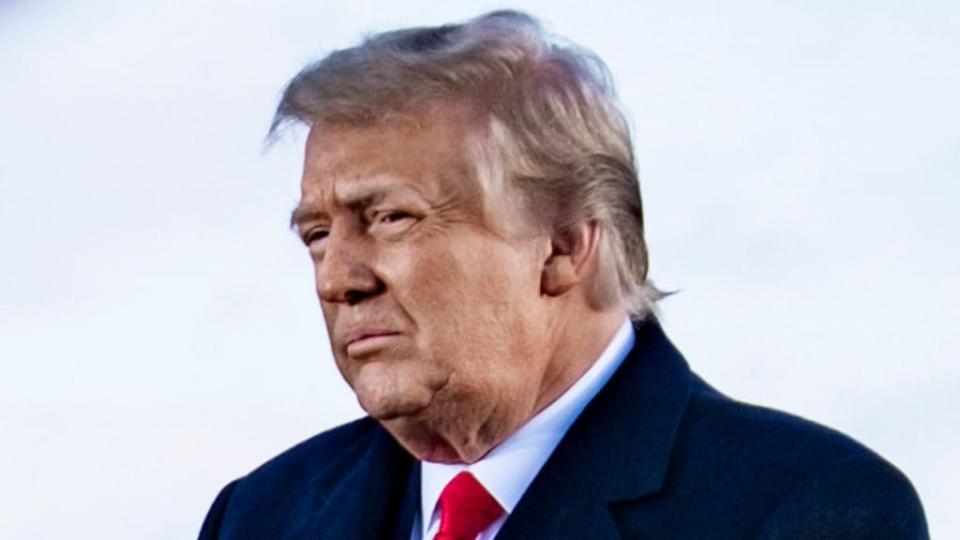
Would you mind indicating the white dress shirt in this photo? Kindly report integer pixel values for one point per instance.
(508, 469)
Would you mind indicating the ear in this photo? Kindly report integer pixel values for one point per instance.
(572, 257)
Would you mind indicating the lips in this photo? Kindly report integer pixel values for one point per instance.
(365, 340)
(359, 335)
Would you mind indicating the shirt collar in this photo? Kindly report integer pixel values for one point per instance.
(508, 469)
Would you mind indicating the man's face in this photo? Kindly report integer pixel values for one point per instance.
(433, 308)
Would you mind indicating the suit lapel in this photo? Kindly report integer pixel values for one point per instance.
(409, 505)
(619, 448)
(376, 499)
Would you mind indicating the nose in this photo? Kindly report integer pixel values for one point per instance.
(344, 275)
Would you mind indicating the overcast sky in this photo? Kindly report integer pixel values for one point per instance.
(159, 335)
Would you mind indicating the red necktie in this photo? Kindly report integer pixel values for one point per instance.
(466, 508)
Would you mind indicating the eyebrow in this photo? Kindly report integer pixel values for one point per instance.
(302, 213)
(353, 197)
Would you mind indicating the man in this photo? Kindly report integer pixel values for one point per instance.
(471, 207)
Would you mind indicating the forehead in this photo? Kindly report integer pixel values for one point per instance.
(431, 153)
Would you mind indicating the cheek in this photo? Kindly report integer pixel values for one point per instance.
(468, 280)
(469, 300)
(329, 318)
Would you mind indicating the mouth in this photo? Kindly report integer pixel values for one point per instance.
(368, 341)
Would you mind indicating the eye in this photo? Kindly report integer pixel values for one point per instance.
(392, 217)
(389, 223)
(315, 235)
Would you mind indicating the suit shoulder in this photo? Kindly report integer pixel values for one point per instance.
(331, 449)
(784, 475)
(270, 497)
(312, 465)
(800, 478)
(727, 425)
(864, 497)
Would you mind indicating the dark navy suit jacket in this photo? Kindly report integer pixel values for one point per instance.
(658, 454)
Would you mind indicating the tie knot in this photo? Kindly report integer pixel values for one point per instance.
(466, 509)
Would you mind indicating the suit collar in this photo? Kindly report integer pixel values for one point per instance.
(619, 448)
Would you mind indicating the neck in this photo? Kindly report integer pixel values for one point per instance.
(579, 341)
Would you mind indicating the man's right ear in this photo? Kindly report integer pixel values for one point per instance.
(572, 257)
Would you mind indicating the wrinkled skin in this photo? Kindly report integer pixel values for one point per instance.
(433, 302)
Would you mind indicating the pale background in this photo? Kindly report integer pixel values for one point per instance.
(158, 331)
